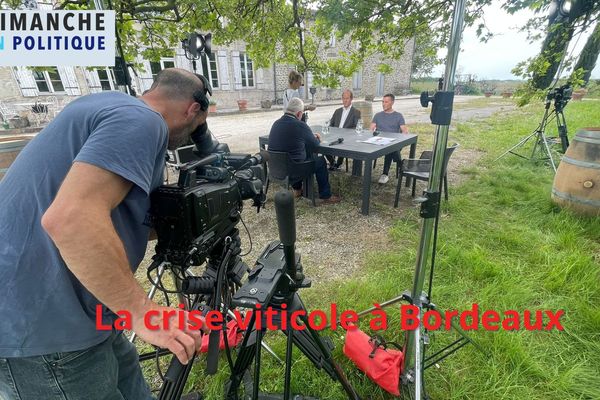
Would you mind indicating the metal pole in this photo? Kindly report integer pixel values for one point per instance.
(412, 348)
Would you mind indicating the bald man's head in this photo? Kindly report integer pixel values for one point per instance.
(177, 84)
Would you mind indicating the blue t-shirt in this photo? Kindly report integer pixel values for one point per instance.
(43, 307)
(389, 122)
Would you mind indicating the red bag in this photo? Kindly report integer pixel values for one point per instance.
(234, 336)
(383, 366)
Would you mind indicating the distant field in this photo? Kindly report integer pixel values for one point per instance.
(476, 88)
(497, 86)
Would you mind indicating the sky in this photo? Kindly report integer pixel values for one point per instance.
(496, 58)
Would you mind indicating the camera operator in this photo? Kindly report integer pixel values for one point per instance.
(73, 212)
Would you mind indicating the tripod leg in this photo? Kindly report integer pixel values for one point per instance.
(287, 389)
(521, 143)
(324, 352)
(562, 130)
(259, 336)
(547, 148)
(243, 361)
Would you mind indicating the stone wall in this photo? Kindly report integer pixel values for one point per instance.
(9, 89)
(270, 82)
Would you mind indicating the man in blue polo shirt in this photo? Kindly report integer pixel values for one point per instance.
(389, 120)
(73, 212)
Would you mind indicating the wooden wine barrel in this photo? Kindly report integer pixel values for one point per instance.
(9, 149)
(577, 181)
(366, 112)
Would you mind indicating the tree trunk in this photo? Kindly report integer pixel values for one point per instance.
(560, 32)
(589, 55)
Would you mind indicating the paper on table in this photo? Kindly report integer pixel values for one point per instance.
(378, 140)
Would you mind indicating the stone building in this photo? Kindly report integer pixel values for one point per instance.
(232, 73)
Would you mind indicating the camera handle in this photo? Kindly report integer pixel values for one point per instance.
(286, 223)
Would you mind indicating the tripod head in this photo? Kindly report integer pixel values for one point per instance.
(561, 96)
(277, 272)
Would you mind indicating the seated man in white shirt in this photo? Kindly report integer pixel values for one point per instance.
(344, 117)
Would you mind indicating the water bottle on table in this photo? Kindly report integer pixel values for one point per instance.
(359, 127)
(326, 128)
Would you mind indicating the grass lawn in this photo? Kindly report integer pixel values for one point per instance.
(502, 244)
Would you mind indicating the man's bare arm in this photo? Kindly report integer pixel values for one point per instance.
(79, 223)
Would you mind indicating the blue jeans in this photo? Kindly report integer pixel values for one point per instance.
(108, 371)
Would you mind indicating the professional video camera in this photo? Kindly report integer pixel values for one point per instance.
(194, 214)
(561, 96)
(195, 220)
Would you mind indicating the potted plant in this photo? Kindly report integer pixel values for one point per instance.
(487, 88)
(266, 104)
(242, 104)
(212, 106)
(578, 94)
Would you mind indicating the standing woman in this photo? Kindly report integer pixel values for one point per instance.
(295, 81)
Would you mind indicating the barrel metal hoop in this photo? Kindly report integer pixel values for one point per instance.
(587, 139)
(580, 163)
(570, 197)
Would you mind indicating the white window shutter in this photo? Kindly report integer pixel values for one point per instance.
(260, 79)
(69, 80)
(237, 69)
(26, 81)
(93, 80)
(181, 60)
(360, 78)
(223, 70)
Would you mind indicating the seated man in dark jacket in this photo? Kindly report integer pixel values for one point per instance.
(289, 134)
(344, 117)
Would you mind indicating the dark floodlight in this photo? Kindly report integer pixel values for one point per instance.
(196, 44)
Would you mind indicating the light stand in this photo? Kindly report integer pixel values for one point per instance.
(196, 44)
(313, 91)
(415, 362)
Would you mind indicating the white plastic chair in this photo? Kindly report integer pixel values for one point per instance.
(7, 111)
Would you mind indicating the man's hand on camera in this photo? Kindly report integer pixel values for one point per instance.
(318, 136)
(183, 343)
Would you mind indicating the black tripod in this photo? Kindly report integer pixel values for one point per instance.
(211, 291)
(274, 283)
(560, 96)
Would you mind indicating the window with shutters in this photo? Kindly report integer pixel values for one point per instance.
(246, 70)
(48, 81)
(164, 63)
(208, 68)
(107, 78)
